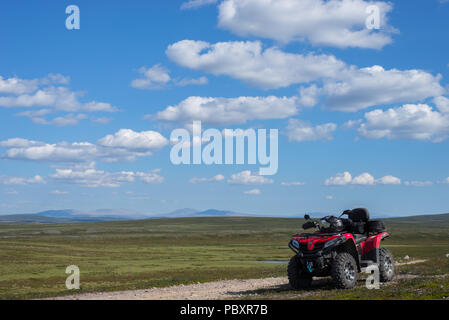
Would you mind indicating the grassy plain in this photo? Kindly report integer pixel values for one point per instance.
(128, 255)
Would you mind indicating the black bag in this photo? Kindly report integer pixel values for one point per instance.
(358, 227)
(376, 226)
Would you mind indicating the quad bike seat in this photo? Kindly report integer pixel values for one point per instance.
(358, 218)
(358, 215)
(359, 223)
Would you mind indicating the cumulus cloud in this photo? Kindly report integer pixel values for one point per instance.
(129, 139)
(357, 89)
(158, 77)
(48, 96)
(153, 78)
(222, 111)
(253, 192)
(343, 87)
(292, 184)
(16, 85)
(193, 4)
(216, 178)
(442, 103)
(299, 131)
(418, 183)
(248, 178)
(20, 180)
(59, 98)
(69, 119)
(411, 121)
(364, 179)
(58, 193)
(339, 180)
(248, 61)
(124, 145)
(336, 23)
(93, 178)
(388, 180)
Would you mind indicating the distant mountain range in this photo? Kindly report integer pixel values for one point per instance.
(70, 216)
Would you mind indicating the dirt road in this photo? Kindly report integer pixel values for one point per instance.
(225, 289)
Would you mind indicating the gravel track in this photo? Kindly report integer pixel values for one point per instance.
(215, 290)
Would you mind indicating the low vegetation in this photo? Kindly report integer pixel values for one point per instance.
(126, 255)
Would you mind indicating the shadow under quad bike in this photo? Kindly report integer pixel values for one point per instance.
(340, 248)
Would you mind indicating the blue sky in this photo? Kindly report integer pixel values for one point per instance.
(83, 126)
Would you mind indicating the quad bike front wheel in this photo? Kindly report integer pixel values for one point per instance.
(344, 271)
(386, 265)
(297, 277)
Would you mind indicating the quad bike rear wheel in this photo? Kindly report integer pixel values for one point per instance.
(386, 265)
(297, 277)
(344, 271)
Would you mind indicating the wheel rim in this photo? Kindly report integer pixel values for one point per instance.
(388, 265)
(349, 272)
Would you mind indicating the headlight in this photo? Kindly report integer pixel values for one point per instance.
(333, 242)
(295, 243)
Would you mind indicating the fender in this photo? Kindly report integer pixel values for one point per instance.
(350, 246)
(370, 247)
(373, 242)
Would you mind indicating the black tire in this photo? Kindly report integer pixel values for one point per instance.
(296, 276)
(344, 271)
(386, 265)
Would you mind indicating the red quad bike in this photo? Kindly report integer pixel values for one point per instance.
(340, 248)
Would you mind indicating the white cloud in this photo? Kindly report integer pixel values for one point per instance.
(129, 139)
(418, 183)
(158, 77)
(45, 93)
(193, 4)
(339, 180)
(301, 131)
(364, 179)
(16, 85)
(216, 178)
(223, 111)
(19, 143)
(337, 23)
(419, 122)
(20, 180)
(93, 178)
(248, 61)
(58, 192)
(388, 180)
(330, 197)
(153, 78)
(102, 120)
(292, 184)
(442, 103)
(248, 178)
(194, 81)
(59, 98)
(356, 89)
(252, 192)
(351, 124)
(69, 119)
(124, 145)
